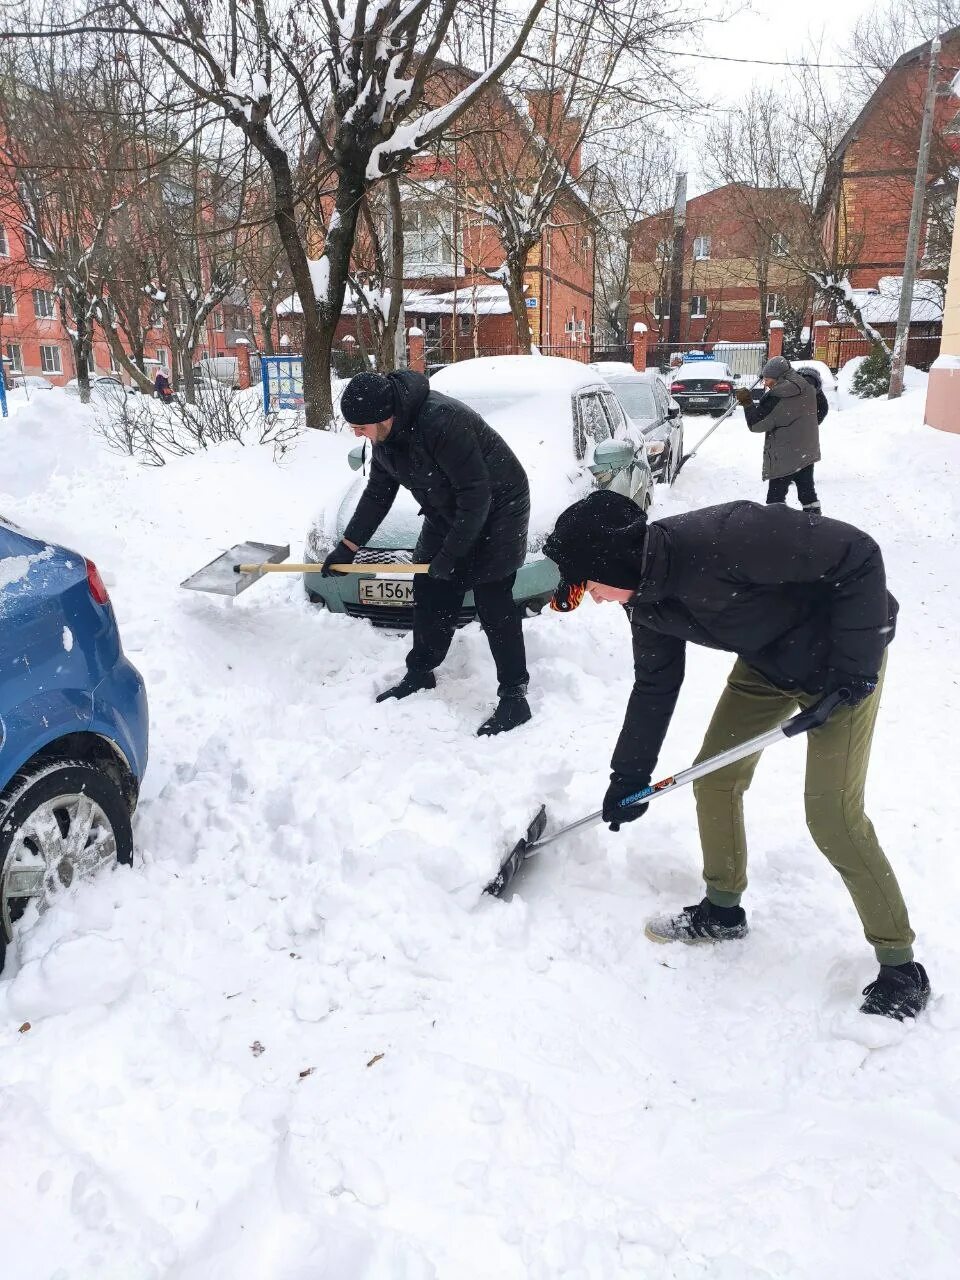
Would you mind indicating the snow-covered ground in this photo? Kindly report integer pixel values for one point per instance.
(295, 1043)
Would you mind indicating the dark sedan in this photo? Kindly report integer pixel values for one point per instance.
(652, 414)
(703, 386)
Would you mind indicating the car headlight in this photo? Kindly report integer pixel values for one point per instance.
(655, 448)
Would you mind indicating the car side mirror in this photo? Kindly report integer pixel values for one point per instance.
(612, 455)
(673, 411)
(355, 456)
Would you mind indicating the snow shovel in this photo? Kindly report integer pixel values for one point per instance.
(699, 445)
(534, 840)
(247, 562)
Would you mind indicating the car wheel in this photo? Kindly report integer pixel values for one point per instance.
(58, 821)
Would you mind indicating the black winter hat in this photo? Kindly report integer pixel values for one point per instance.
(368, 397)
(598, 539)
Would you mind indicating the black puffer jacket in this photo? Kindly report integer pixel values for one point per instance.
(471, 488)
(794, 595)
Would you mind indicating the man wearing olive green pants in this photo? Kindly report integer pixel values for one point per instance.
(838, 754)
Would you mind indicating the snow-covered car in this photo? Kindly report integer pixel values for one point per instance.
(703, 386)
(565, 425)
(654, 416)
(102, 387)
(28, 382)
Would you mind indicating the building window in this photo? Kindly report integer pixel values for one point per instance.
(8, 305)
(659, 311)
(161, 357)
(941, 210)
(465, 323)
(778, 245)
(663, 250)
(14, 357)
(43, 304)
(701, 248)
(698, 306)
(4, 243)
(775, 304)
(427, 240)
(156, 316)
(50, 359)
(36, 251)
(218, 321)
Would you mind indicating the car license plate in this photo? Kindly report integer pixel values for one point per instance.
(386, 591)
(699, 399)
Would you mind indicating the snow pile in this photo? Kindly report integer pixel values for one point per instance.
(294, 1041)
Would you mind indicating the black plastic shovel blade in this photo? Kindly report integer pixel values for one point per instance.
(509, 868)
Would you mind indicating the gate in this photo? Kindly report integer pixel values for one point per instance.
(744, 358)
(282, 378)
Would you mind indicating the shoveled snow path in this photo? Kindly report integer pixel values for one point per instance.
(556, 1097)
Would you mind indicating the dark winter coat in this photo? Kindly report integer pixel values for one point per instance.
(787, 413)
(472, 490)
(797, 597)
(161, 387)
(823, 404)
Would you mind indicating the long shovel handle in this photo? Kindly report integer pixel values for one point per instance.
(732, 408)
(803, 722)
(339, 568)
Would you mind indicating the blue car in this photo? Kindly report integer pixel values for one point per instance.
(73, 726)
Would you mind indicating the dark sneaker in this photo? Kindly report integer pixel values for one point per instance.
(898, 991)
(510, 713)
(703, 922)
(412, 682)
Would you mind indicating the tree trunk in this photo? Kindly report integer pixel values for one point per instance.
(317, 402)
(266, 328)
(516, 267)
(187, 379)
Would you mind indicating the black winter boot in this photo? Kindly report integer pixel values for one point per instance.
(510, 713)
(898, 991)
(703, 922)
(412, 682)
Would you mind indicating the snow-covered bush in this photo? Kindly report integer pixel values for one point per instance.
(872, 378)
(153, 432)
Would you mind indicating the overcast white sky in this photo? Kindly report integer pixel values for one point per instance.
(771, 30)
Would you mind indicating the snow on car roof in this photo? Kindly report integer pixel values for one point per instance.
(519, 375)
(700, 369)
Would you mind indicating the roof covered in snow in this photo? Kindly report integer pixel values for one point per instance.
(881, 306)
(481, 300)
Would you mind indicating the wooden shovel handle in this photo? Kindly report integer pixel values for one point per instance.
(339, 568)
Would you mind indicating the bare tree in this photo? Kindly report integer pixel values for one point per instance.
(885, 32)
(340, 83)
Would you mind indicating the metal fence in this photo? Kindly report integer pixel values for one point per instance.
(745, 358)
(845, 342)
(282, 378)
(439, 354)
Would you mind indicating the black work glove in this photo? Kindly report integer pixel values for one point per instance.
(442, 566)
(341, 554)
(743, 396)
(621, 786)
(858, 687)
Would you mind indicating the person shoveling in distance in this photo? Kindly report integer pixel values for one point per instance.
(804, 606)
(789, 413)
(476, 505)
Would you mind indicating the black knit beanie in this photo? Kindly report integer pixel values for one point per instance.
(367, 398)
(599, 539)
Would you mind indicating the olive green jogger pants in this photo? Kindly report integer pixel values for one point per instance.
(837, 757)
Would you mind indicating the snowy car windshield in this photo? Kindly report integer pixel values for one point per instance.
(636, 397)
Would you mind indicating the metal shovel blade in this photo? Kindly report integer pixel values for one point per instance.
(219, 577)
(514, 861)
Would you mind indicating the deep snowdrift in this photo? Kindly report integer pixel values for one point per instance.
(294, 1043)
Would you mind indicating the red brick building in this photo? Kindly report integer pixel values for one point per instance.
(865, 206)
(734, 279)
(452, 248)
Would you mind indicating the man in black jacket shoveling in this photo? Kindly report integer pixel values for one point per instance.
(476, 506)
(803, 603)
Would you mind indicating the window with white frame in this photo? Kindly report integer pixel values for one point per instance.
(570, 328)
(775, 304)
(663, 250)
(161, 357)
(4, 243)
(659, 309)
(14, 357)
(50, 361)
(43, 304)
(8, 304)
(778, 245)
(465, 323)
(698, 306)
(427, 239)
(36, 250)
(701, 248)
(938, 237)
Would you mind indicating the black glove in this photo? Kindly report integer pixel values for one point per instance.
(858, 687)
(621, 786)
(743, 396)
(442, 566)
(341, 554)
